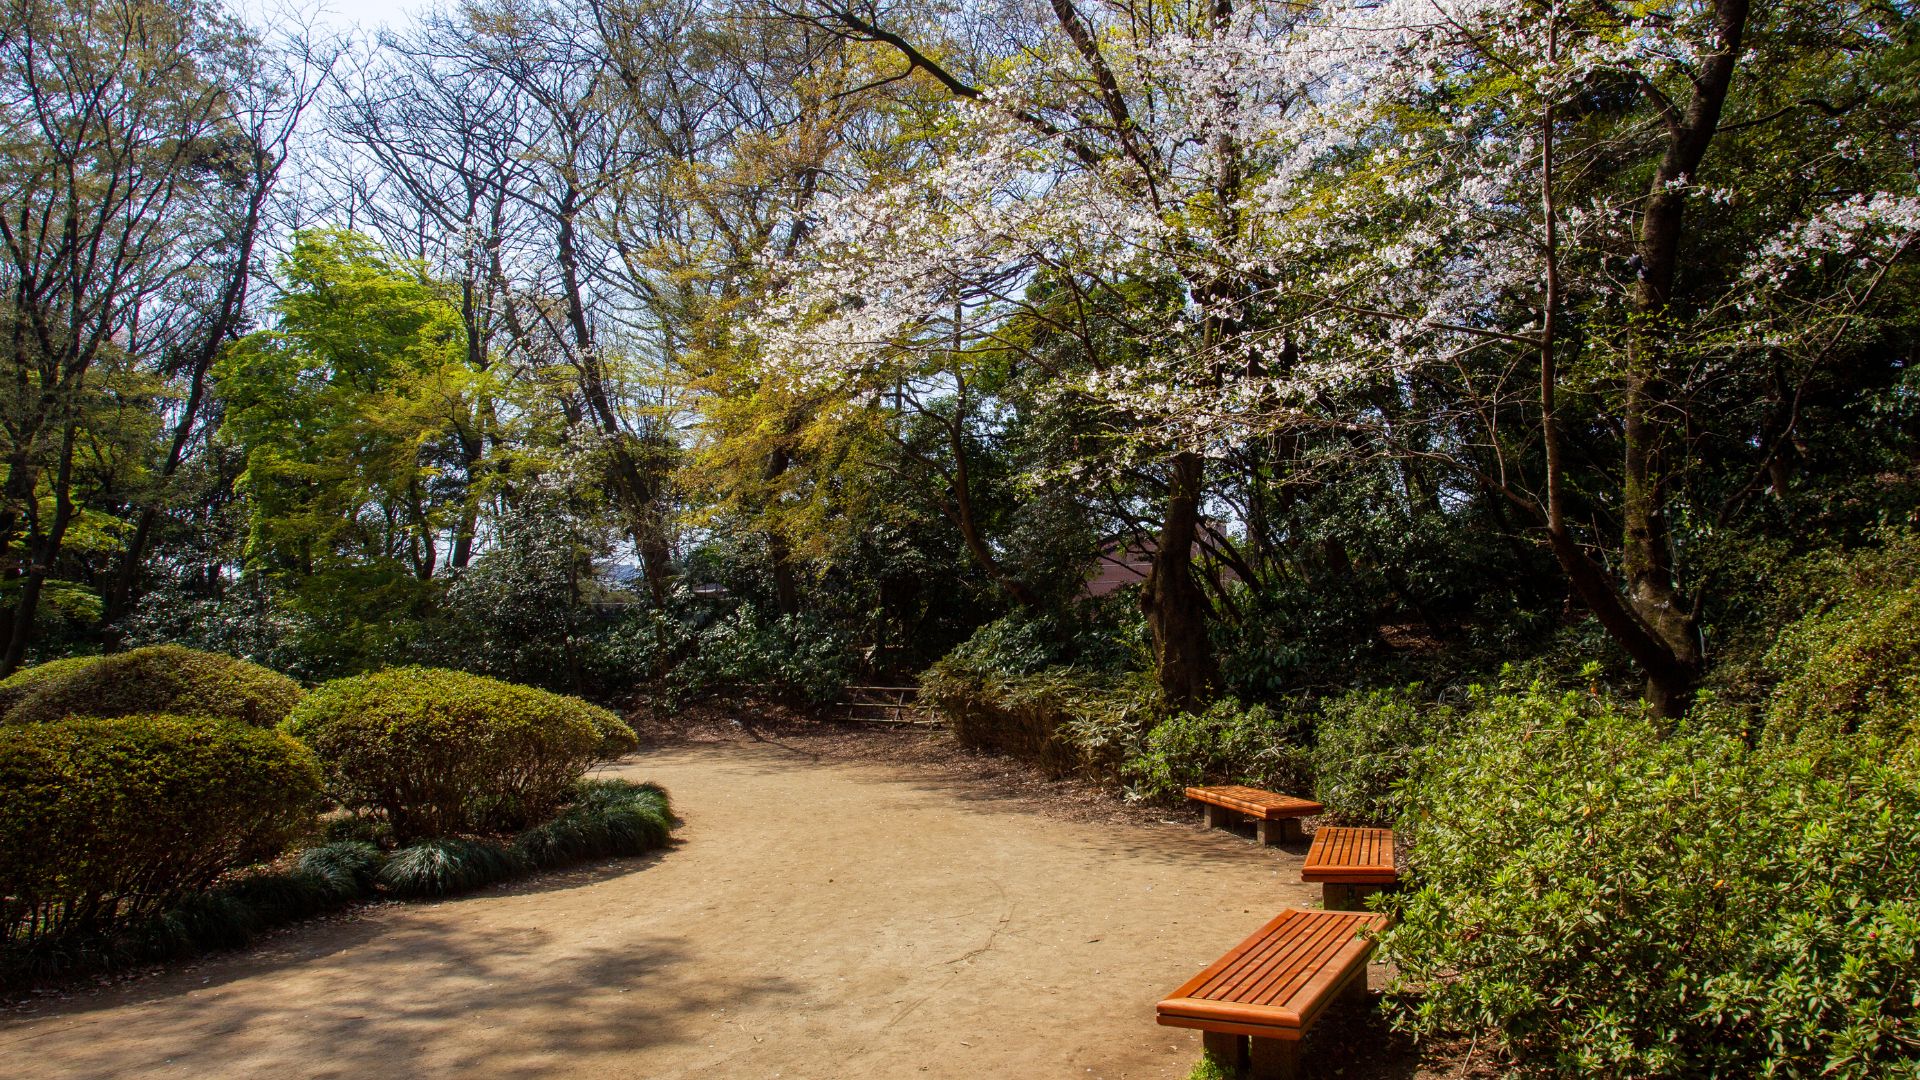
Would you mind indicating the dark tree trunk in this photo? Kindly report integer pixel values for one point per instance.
(1646, 557)
(40, 561)
(1172, 600)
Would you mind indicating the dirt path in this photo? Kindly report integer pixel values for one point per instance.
(818, 920)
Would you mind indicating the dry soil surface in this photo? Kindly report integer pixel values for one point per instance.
(817, 919)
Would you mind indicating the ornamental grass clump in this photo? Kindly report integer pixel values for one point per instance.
(440, 753)
(1601, 896)
(158, 679)
(444, 866)
(107, 823)
(607, 818)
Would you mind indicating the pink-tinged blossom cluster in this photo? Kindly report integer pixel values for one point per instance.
(1389, 209)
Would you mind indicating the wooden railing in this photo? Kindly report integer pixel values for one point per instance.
(886, 705)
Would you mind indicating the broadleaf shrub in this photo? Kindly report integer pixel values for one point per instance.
(157, 679)
(437, 753)
(1604, 898)
(1366, 743)
(1228, 743)
(108, 822)
(1852, 664)
(1066, 721)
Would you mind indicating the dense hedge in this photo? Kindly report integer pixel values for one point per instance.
(165, 679)
(1605, 898)
(437, 752)
(1852, 664)
(107, 822)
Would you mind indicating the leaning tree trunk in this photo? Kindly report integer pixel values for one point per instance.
(1646, 556)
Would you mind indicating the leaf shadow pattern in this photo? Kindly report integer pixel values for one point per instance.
(418, 993)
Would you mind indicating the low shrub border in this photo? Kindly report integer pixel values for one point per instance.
(1597, 895)
(605, 819)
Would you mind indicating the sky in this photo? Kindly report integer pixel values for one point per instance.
(338, 15)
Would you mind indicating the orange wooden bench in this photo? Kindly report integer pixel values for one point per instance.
(1255, 1004)
(1275, 817)
(1349, 864)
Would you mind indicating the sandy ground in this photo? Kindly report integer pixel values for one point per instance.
(817, 919)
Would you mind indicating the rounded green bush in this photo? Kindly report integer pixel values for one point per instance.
(15, 687)
(157, 679)
(106, 822)
(1599, 897)
(440, 752)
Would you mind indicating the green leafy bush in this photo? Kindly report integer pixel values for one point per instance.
(1066, 721)
(15, 687)
(440, 752)
(1603, 900)
(1104, 634)
(1852, 664)
(1367, 742)
(1228, 743)
(107, 822)
(159, 679)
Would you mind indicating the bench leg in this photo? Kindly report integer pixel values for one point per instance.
(1227, 1051)
(1279, 830)
(1355, 992)
(1337, 897)
(1275, 1059)
(1212, 815)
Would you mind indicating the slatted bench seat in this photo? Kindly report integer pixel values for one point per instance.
(1254, 1004)
(1350, 863)
(1276, 817)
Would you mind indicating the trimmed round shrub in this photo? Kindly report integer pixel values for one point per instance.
(1602, 898)
(158, 679)
(439, 752)
(15, 687)
(106, 822)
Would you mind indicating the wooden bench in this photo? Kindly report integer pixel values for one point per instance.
(1255, 1004)
(1349, 864)
(1275, 817)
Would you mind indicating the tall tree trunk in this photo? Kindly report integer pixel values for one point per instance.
(635, 482)
(1646, 557)
(41, 556)
(1172, 600)
(786, 584)
(122, 593)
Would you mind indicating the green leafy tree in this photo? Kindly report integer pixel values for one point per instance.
(347, 411)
